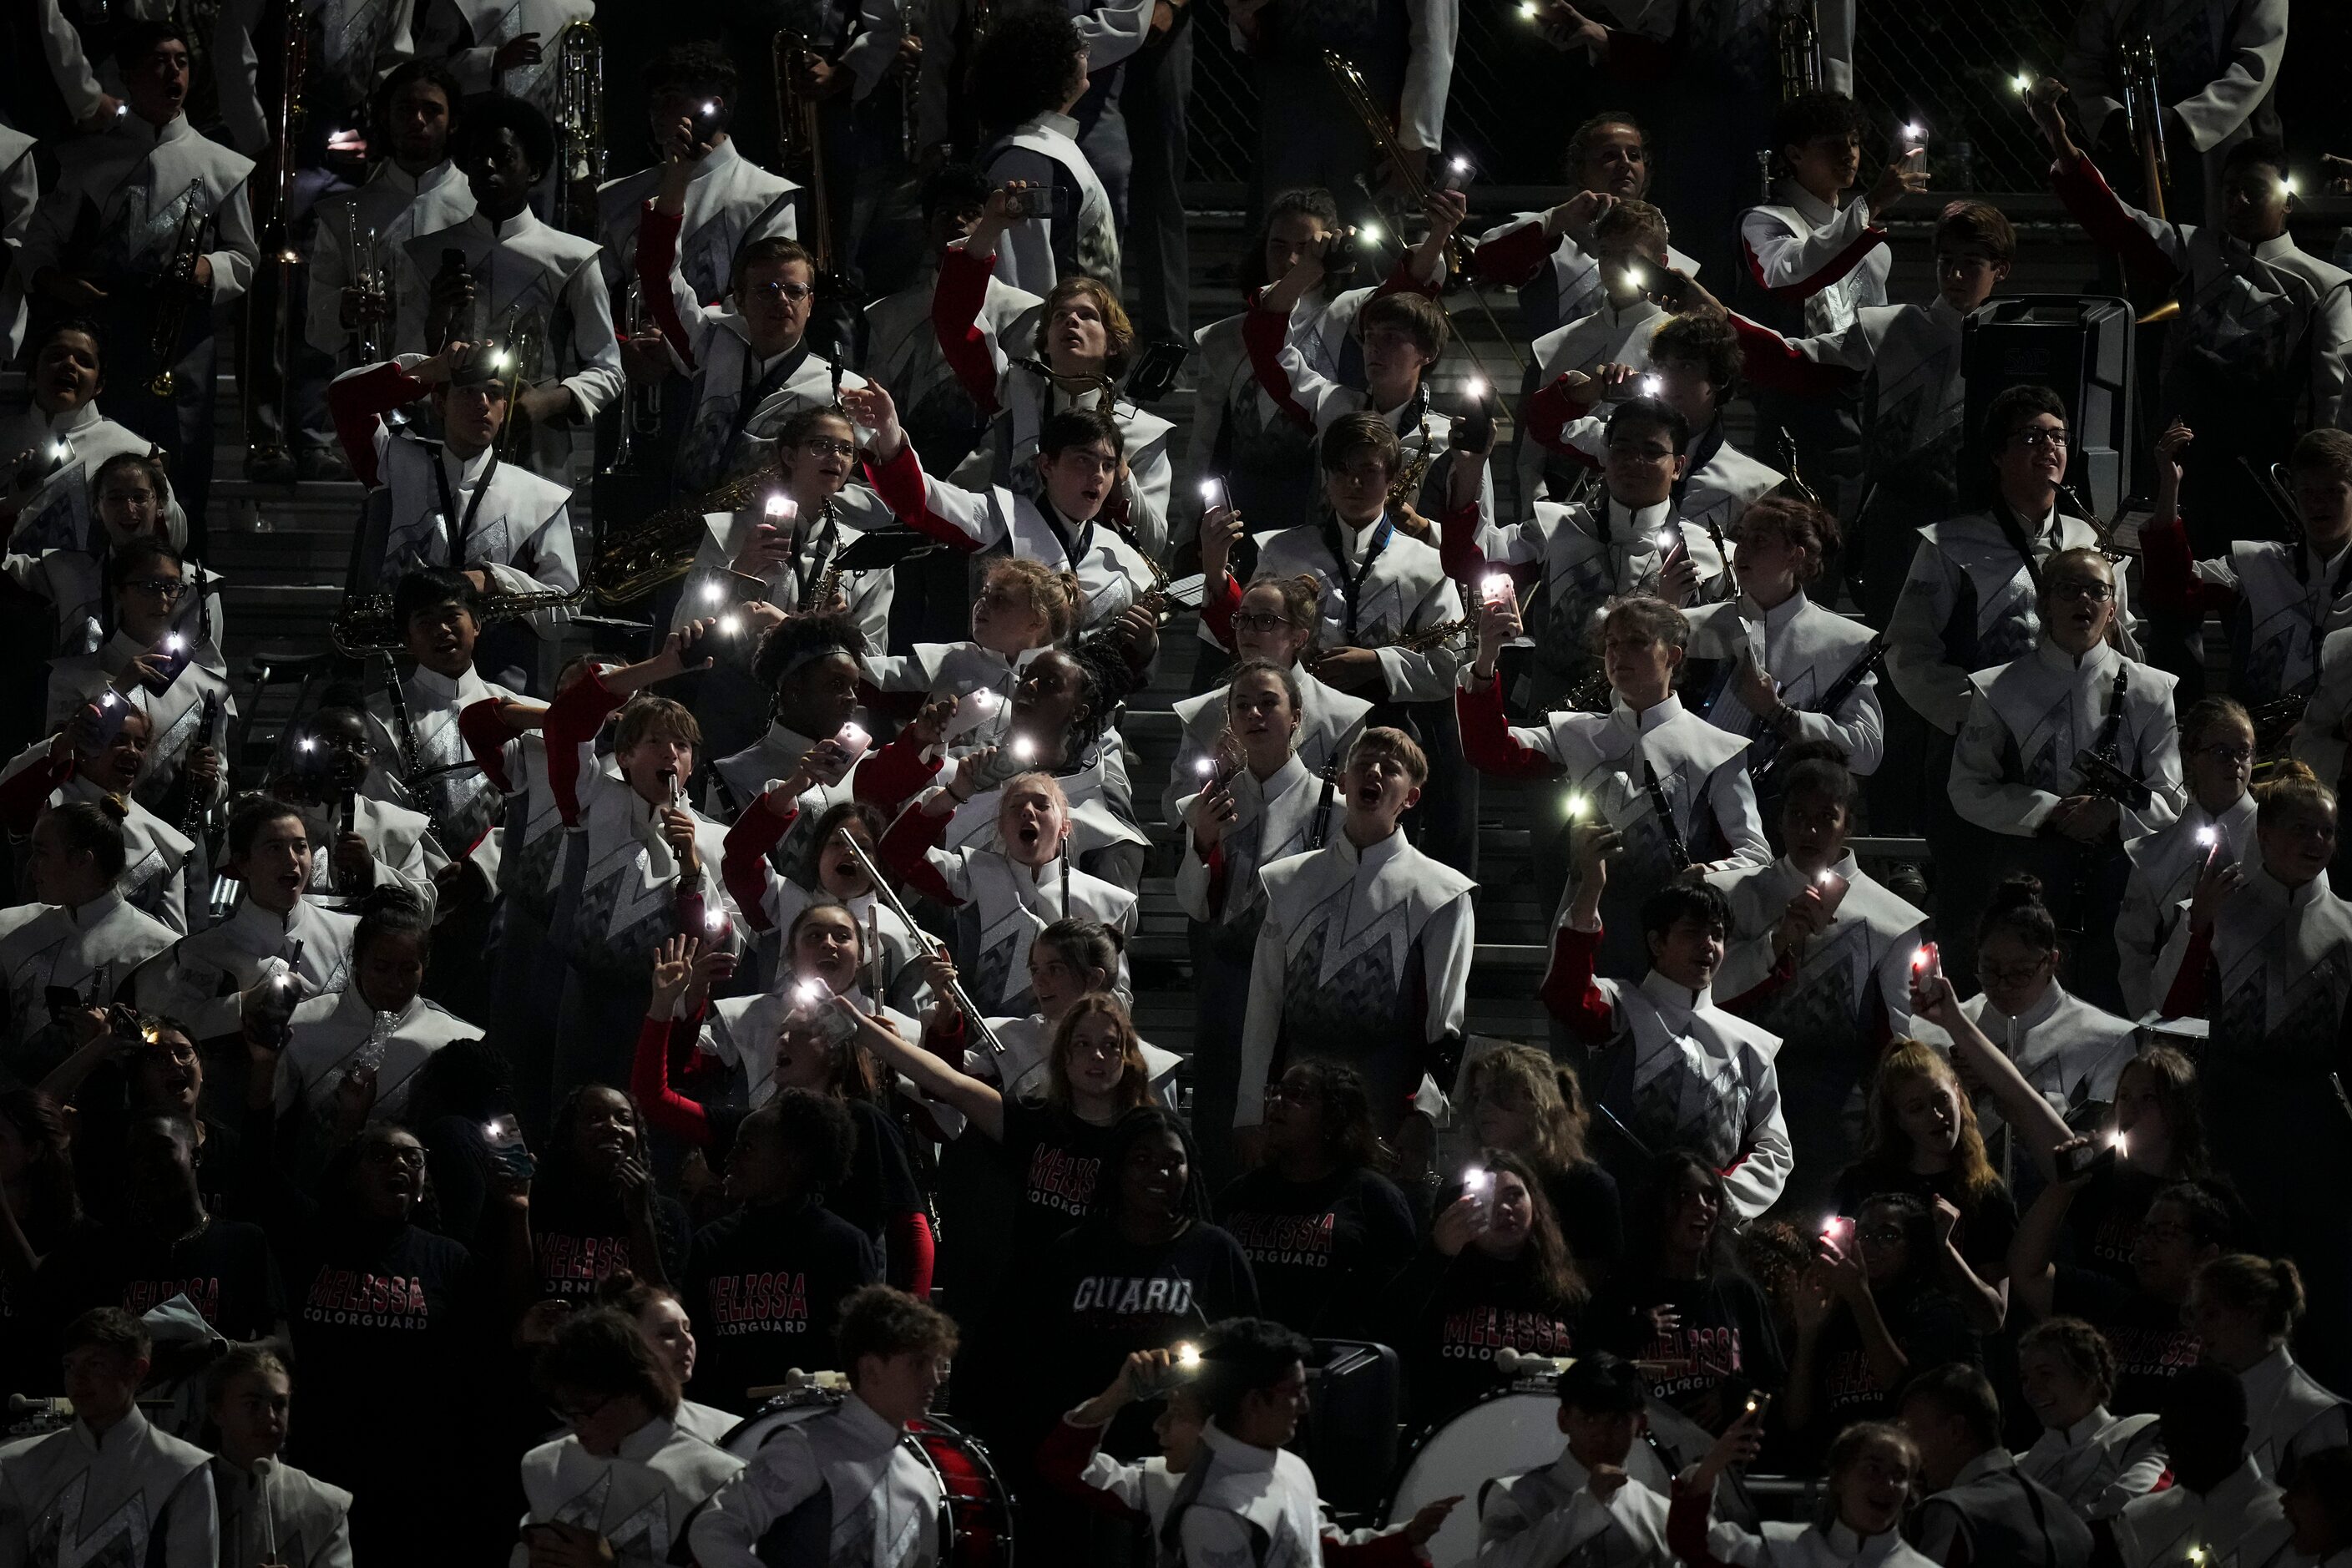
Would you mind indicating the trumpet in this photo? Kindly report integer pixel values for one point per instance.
(800, 140)
(364, 625)
(1797, 45)
(660, 548)
(2144, 119)
(367, 277)
(1349, 82)
(579, 126)
(175, 292)
(643, 412)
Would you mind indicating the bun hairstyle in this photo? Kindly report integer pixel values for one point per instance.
(1106, 679)
(623, 1291)
(2084, 1351)
(1086, 944)
(93, 829)
(2292, 786)
(1054, 597)
(2017, 908)
(1810, 531)
(2269, 1288)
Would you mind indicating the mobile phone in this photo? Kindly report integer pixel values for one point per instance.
(453, 260)
(973, 709)
(1478, 1186)
(1668, 287)
(2097, 1160)
(1214, 495)
(504, 1135)
(1476, 427)
(853, 738)
(177, 654)
(1153, 376)
(1046, 202)
(1459, 173)
(1341, 252)
(1672, 547)
(1830, 888)
(113, 712)
(812, 1004)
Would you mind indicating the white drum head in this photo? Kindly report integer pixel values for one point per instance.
(1492, 1440)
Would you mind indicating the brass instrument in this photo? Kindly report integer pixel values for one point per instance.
(2274, 724)
(364, 625)
(367, 277)
(1433, 637)
(1797, 45)
(800, 140)
(579, 119)
(1349, 82)
(2144, 120)
(1406, 490)
(2104, 529)
(278, 248)
(175, 292)
(521, 350)
(660, 548)
(642, 401)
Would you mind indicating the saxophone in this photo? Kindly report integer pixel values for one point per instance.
(364, 625)
(175, 292)
(633, 562)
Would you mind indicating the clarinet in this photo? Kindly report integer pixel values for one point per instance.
(1764, 756)
(2101, 766)
(1677, 850)
(192, 814)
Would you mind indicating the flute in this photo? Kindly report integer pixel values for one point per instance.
(955, 987)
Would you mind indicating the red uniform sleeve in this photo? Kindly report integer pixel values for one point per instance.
(1400, 280)
(1836, 266)
(2173, 586)
(903, 488)
(1388, 1549)
(1550, 411)
(1487, 739)
(664, 1108)
(2104, 218)
(906, 848)
(1458, 544)
(571, 721)
(357, 404)
(2186, 997)
(956, 302)
(1768, 360)
(485, 732)
(1219, 605)
(1264, 333)
(743, 866)
(892, 774)
(1756, 995)
(23, 795)
(911, 1252)
(1516, 257)
(1686, 1527)
(658, 235)
(1062, 1462)
(1570, 992)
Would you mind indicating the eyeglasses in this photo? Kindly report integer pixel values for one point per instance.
(2010, 973)
(1881, 1234)
(2041, 436)
(2221, 754)
(795, 292)
(822, 447)
(2076, 588)
(160, 587)
(1292, 1094)
(1260, 621)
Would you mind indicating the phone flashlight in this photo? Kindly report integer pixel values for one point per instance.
(781, 508)
(1651, 386)
(1024, 750)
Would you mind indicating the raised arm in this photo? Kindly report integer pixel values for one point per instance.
(964, 519)
(982, 1103)
(1571, 992)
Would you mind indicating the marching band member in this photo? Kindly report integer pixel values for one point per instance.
(1979, 1507)
(881, 1502)
(2264, 327)
(1584, 1503)
(78, 934)
(626, 1476)
(2220, 1508)
(1028, 75)
(1390, 1005)
(414, 189)
(691, 93)
(104, 241)
(365, 842)
(1777, 694)
(55, 447)
(1873, 1471)
(500, 273)
(1818, 951)
(2216, 822)
(1646, 1047)
(458, 503)
(1675, 788)
(162, 1481)
(1068, 961)
(269, 1511)
(1012, 888)
(2073, 750)
(1608, 161)
(1694, 368)
(1815, 264)
(496, 50)
(1905, 361)
(132, 500)
(1081, 456)
(2094, 1461)
(84, 762)
(810, 666)
(1275, 623)
(824, 944)
(20, 192)
(2243, 1309)
(768, 841)
(1255, 805)
(2265, 956)
(638, 860)
(1628, 244)
(1020, 608)
(2281, 601)
(246, 973)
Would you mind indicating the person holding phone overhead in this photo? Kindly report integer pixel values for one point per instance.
(1028, 74)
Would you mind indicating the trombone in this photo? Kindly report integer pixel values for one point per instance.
(2144, 119)
(800, 140)
(1349, 82)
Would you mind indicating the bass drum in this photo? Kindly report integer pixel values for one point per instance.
(1507, 1432)
(976, 1509)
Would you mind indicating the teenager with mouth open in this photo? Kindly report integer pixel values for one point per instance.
(84, 762)
(779, 1040)
(57, 445)
(369, 844)
(78, 933)
(1002, 897)
(776, 871)
(1873, 1477)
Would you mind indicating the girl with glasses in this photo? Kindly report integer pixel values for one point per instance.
(1871, 1310)
(2067, 754)
(1523, 1102)
(2216, 824)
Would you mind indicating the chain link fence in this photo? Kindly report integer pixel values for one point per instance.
(1514, 100)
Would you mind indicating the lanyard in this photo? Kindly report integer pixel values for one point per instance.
(753, 392)
(461, 531)
(2013, 530)
(1072, 555)
(1354, 584)
(808, 577)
